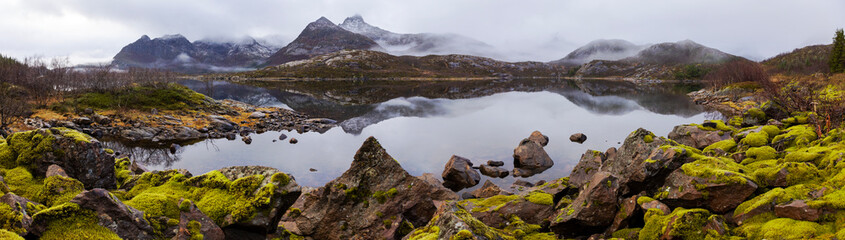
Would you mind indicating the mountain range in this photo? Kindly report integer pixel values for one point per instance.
(326, 44)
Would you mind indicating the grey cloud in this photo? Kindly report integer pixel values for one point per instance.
(520, 30)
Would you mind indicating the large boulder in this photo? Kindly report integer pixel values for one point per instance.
(592, 211)
(721, 192)
(286, 192)
(529, 158)
(459, 174)
(109, 212)
(374, 199)
(81, 156)
(642, 163)
(697, 137)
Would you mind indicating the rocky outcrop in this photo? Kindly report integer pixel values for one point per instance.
(459, 174)
(717, 193)
(81, 156)
(697, 137)
(529, 158)
(375, 198)
(589, 164)
(593, 209)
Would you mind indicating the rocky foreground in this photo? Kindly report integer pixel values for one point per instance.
(779, 180)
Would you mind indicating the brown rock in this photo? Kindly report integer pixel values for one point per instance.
(488, 190)
(495, 163)
(208, 228)
(539, 138)
(266, 218)
(459, 174)
(374, 199)
(696, 137)
(687, 191)
(798, 210)
(495, 172)
(20, 207)
(589, 164)
(439, 192)
(293, 141)
(627, 208)
(55, 170)
(578, 137)
(529, 159)
(656, 204)
(125, 221)
(592, 211)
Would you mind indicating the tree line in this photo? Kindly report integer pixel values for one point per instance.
(36, 82)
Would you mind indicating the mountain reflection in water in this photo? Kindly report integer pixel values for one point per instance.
(422, 125)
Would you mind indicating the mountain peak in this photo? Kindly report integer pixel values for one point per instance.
(355, 19)
(171, 36)
(322, 22)
(144, 38)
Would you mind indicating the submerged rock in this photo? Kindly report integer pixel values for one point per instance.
(459, 174)
(374, 199)
(578, 137)
(529, 159)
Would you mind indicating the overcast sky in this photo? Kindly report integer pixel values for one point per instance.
(95, 30)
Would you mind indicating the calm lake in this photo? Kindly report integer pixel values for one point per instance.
(422, 124)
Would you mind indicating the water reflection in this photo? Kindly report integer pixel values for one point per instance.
(422, 133)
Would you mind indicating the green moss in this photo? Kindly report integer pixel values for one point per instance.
(405, 227)
(5, 234)
(796, 173)
(72, 134)
(796, 136)
(725, 145)
(492, 203)
(381, 197)
(759, 153)
(194, 230)
(684, 223)
(387, 223)
(169, 97)
(786, 228)
(720, 126)
(648, 138)
(246, 185)
(7, 156)
(68, 221)
(155, 205)
(58, 190)
(775, 196)
(462, 235)
(540, 197)
(281, 179)
(10, 219)
(834, 199)
(717, 170)
(644, 199)
(426, 233)
(121, 171)
(756, 113)
(756, 139)
(800, 157)
(185, 205)
(31, 145)
(771, 130)
(626, 233)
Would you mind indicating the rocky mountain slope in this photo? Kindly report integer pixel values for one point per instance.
(321, 37)
(418, 44)
(659, 61)
(806, 60)
(175, 52)
(375, 64)
(602, 49)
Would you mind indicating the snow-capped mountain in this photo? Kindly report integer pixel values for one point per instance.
(418, 44)
(602, 49)
(176, 53)
(321, 37)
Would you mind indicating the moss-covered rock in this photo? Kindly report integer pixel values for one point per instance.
(683, 223)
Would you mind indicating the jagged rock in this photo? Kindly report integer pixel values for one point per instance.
(247, 139)
(578, 137)
(459, 174)
(282, 136)
(539, 138)
(489, 189)
(192, 221)
(20, 207)
(717, 193)
(684, 224)
(55, 170)
(266, 219)
(374, 199)
(696, 137)
(439, 192)
(81, 156)
(627, 208)
(798, 210)
(589, 164)
(256, 115)
(495, 172)
(593, 209)
(125, 221)
(495, 163)
(521, 183)
(641, 164)
(529, 159)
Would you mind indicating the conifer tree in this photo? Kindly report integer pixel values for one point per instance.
(837, 56)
